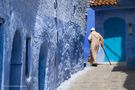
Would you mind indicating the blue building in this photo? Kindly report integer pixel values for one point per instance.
(41, 42)
(114, 20)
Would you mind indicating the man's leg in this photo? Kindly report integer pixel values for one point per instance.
(91, 57)
(95, 50)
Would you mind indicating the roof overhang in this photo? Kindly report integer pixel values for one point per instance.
(95, 3)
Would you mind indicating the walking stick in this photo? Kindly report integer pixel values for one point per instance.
(107, 57)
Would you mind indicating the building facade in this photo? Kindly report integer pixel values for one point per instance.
(41, 42)
(114, 20)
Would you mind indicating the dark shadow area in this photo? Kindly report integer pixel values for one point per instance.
(42, 65)
(114, 35)
(129, 83)
(27, 58)
(16, 63)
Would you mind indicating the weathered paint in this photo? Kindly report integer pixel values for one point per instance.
(59, 23)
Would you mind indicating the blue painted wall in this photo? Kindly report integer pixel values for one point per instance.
(1, 51)
(90, 23)
(126, 3)
(59, 23)
(125, 14)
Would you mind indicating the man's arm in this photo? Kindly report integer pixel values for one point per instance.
(89, 38)
(101, 41)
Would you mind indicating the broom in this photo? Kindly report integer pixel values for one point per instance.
(107, 56)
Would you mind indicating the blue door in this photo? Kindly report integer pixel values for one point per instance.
(42, 66)
(114, 35)
(16, 63)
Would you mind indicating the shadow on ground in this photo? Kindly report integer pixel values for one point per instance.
(129, 83)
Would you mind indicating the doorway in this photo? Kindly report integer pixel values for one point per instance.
(16, 63)
(42, 65)
(114, 35)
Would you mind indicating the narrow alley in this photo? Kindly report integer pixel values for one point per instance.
(46, 44)
(103, 77)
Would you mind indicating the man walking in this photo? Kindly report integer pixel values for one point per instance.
(95, 40)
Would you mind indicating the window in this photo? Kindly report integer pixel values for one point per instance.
(130, 29)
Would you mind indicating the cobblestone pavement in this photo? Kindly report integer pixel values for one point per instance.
(104, 77)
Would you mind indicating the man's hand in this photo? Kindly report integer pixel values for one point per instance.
(89, 41)
(102, 45)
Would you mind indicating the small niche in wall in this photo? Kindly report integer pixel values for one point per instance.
(130, 29)
(28, 58)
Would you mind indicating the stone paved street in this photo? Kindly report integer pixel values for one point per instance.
(103, 77)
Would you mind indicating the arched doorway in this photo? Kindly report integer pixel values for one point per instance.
(16, 64)
(114, 35)
(42, 65)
